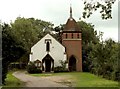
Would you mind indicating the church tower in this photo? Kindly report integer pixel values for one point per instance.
(71, 39)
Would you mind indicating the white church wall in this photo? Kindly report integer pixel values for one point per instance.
(57, 50)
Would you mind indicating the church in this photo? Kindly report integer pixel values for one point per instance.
(48, 52)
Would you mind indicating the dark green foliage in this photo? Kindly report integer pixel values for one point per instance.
(16, 65)
(89, 37)
(58, 31)
(28, 31)
(104, 57)
(100, 58)
(11, 51)
(31, 68)
(61, 68)
(92, 5)
(18, 38)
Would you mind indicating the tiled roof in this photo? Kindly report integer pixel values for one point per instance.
(71, 25)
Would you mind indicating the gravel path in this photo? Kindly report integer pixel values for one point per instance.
(32, 81)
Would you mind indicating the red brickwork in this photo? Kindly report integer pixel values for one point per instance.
(71, 39)
(73, 47)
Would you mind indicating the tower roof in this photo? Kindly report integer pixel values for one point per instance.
(71, 24)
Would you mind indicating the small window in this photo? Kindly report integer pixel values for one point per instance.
(72, 35)
(78, 35)
(37, 63)
(66, 36)
(48, 46)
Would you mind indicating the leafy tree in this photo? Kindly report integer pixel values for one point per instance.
(92, 5)
(58, 30)
(27, 32)
(18, 38)
(104, 59)
(11, 50)
(89, 37)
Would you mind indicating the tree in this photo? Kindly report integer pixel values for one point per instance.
(89, 37)
(27, 32)
(92, 5)
(58, 30)
(104, 59)
(18, 38)
(11, 50)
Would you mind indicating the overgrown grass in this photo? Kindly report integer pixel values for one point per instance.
(82, 79)
(12, 81)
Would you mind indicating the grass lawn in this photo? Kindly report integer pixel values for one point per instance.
(12, 81)
(83, 79)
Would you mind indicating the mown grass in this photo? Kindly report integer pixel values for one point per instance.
(90, 80)
(43, 75)
(83, 79)
(12, 81)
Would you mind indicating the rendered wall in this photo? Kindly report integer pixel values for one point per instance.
(57, 51)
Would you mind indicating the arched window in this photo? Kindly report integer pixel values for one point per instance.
(47, 46)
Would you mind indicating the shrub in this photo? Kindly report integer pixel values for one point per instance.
(60, 69)
(31, 68)
(116, 75)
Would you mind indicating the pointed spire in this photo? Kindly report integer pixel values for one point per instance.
(70, 11)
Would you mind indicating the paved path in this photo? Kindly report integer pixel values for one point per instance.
(32, 81)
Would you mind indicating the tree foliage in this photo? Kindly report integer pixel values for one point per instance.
(18, 38)
(105, 7)
(89, 37)
(11, 50)
(28, 31)
(104, 59)
(100, 58)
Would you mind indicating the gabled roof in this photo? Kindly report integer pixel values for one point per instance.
(50, 36)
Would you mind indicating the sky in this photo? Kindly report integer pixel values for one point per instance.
(57, 12)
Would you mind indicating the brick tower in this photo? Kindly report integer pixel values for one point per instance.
(71, 39)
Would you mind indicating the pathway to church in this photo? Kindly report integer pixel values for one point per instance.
(32, 81)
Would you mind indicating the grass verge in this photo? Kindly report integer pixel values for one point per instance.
(82, 79)
(12, 81)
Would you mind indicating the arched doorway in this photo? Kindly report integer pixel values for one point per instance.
(47, 63)
(72, 63)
